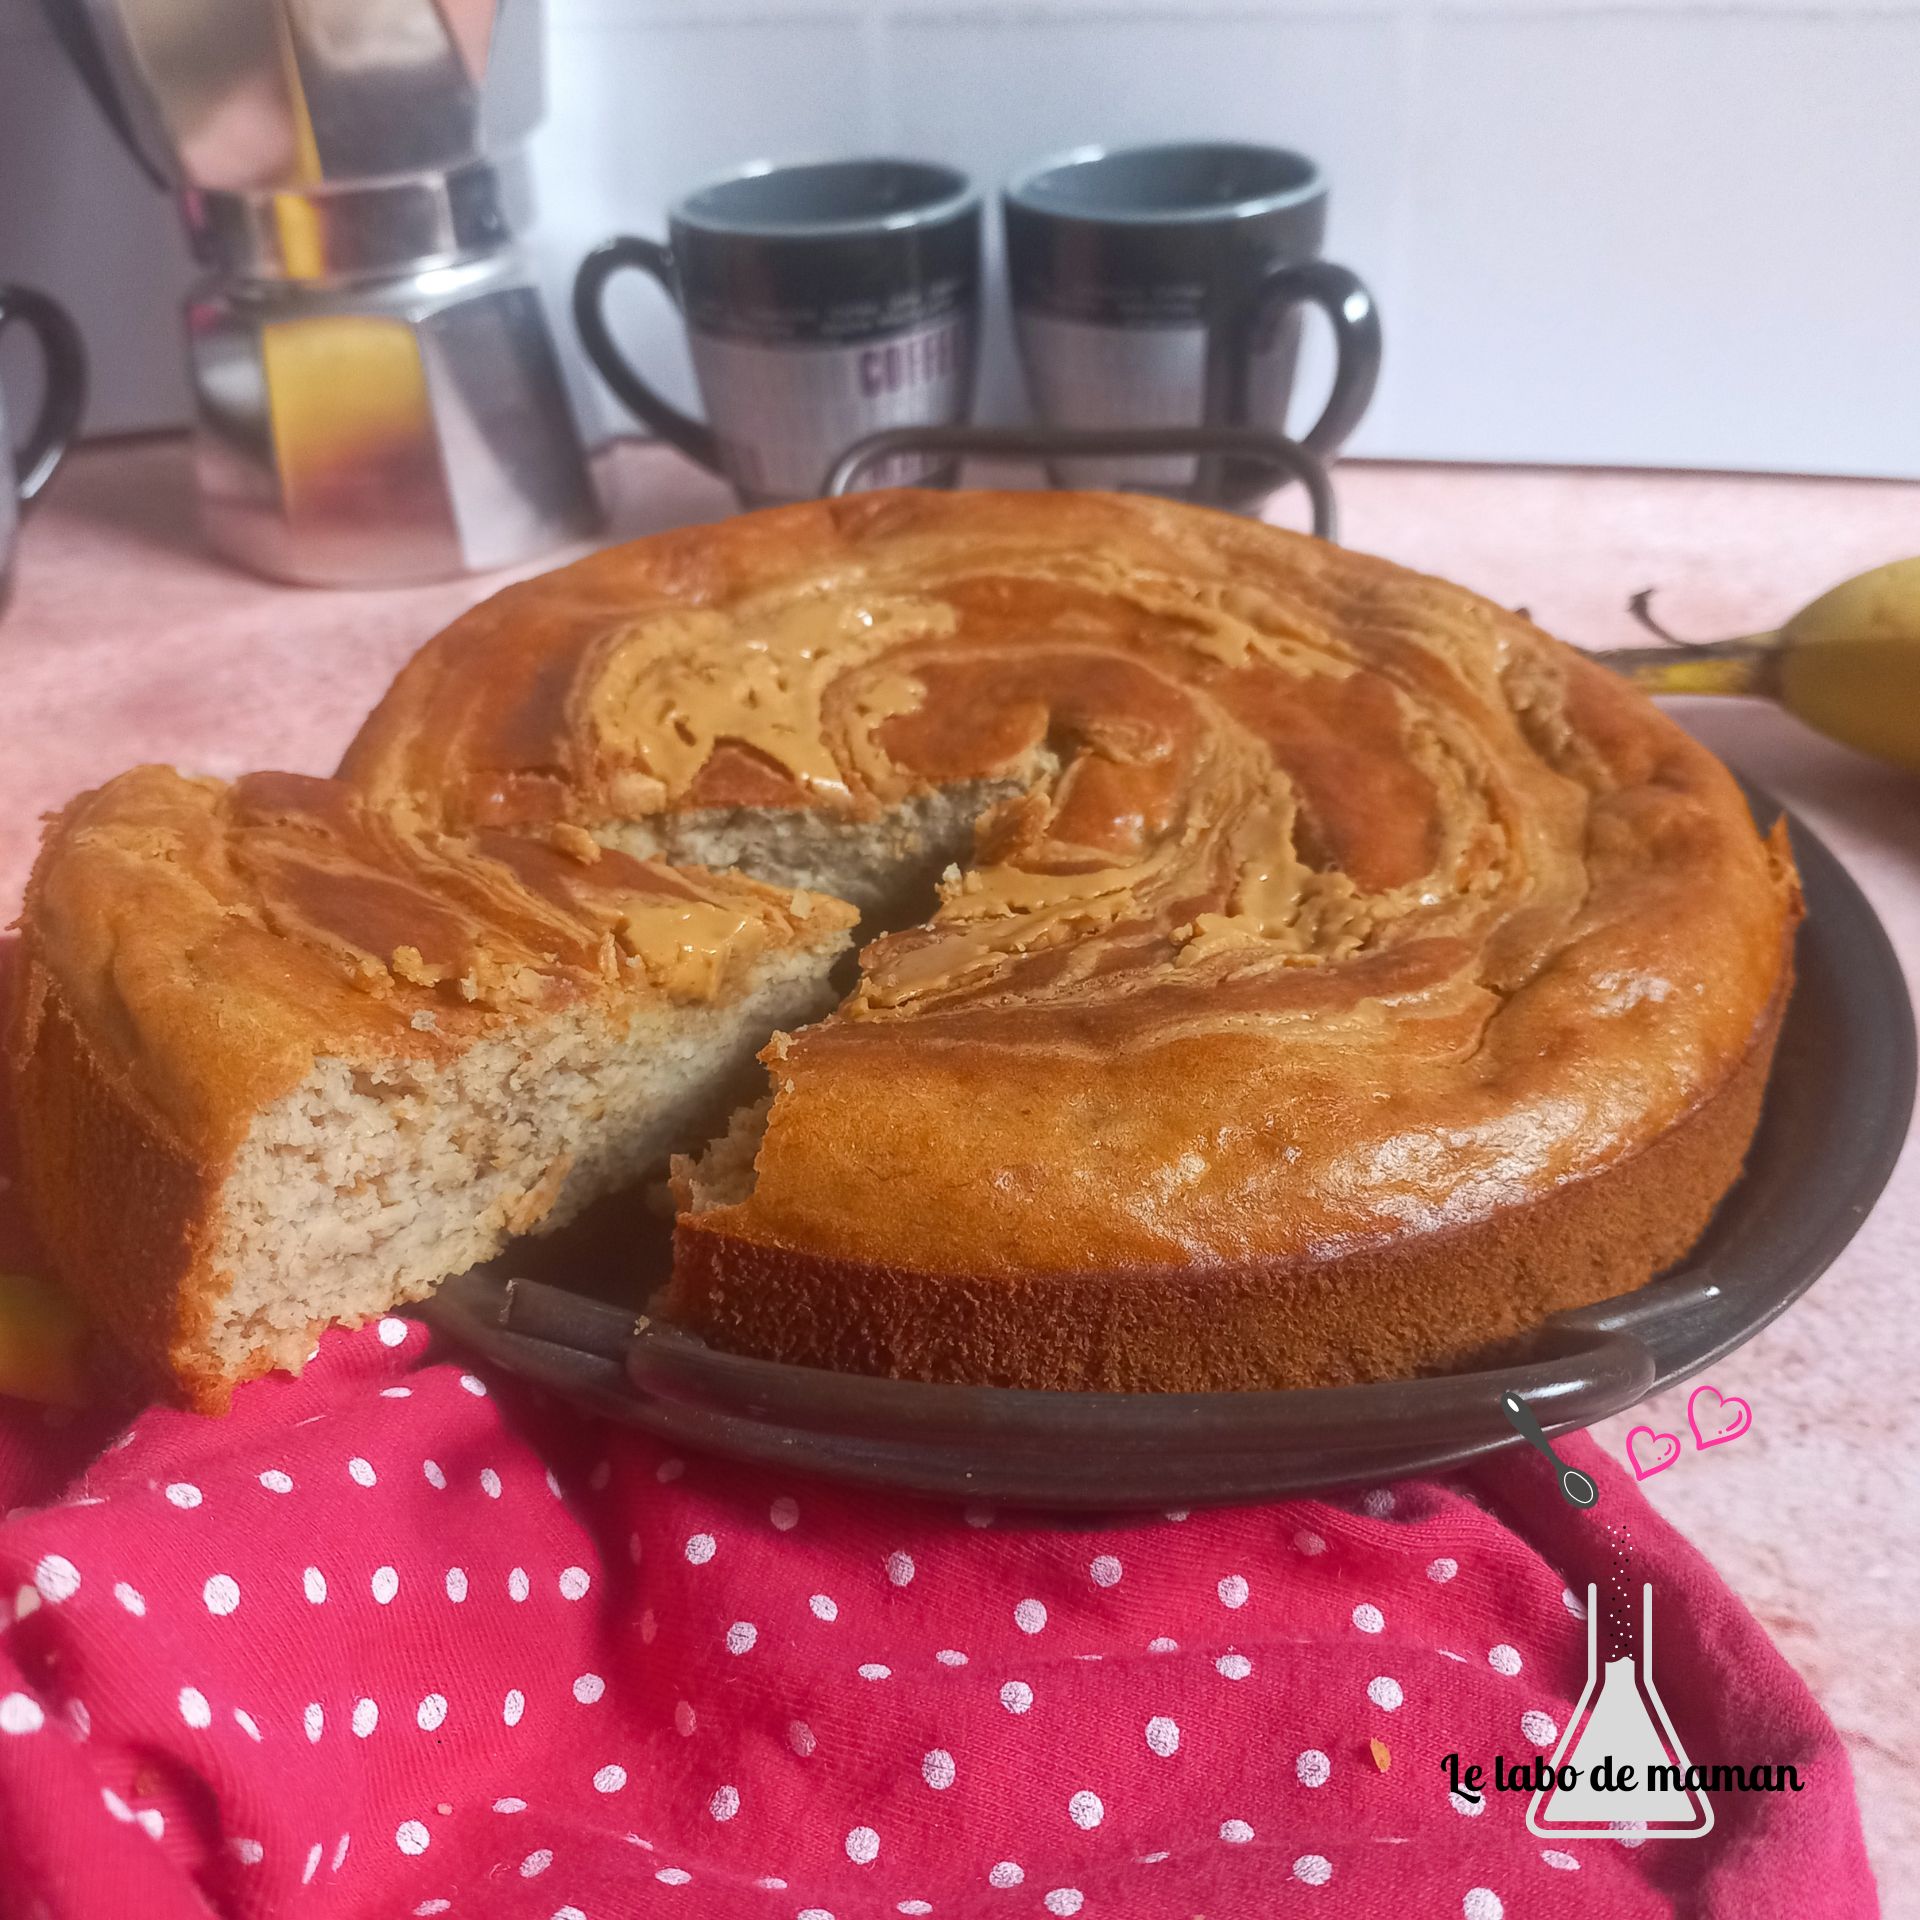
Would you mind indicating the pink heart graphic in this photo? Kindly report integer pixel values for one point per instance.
(1715, 1417)
(1663, 1450)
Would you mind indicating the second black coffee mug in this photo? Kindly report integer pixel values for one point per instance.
(1161, 286)
(822, 303)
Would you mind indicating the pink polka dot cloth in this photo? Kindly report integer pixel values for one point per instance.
(400, 1638)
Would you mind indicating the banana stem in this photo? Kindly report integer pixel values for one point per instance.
(1749, 666)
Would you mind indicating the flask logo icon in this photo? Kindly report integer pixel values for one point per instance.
(1627, 1764)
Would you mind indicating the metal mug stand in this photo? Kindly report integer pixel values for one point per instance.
(1240, 451)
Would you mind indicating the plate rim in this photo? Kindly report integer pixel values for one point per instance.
(1632, 1345)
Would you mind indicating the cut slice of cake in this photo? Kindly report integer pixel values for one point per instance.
(280, 1062)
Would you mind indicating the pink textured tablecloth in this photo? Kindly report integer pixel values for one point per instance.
(124, 642)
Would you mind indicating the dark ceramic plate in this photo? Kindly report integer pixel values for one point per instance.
(1836, 1114)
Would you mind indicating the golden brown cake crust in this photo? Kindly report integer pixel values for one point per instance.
(1352, 943)
(1421, 1304)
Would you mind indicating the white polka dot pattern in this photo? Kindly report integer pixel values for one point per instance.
(498, 1668)
(21, 1713)
(1085, 1809)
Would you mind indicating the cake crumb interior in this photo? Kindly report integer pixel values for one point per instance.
(366, 1187)
(384, 1180)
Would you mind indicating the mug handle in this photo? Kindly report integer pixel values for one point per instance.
(693, 437)
(1344, 298)
(64, 387)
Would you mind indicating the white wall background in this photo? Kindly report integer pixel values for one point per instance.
(1660, 232)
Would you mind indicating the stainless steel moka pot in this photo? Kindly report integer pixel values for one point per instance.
(375, 384)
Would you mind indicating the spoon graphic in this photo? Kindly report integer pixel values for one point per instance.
(1578, 1489)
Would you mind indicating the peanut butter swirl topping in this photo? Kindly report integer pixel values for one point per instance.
(1332, 897)
(220, 934)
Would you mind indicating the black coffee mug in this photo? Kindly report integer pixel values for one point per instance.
(1162, 286)
(25, 469)
(822, 303)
